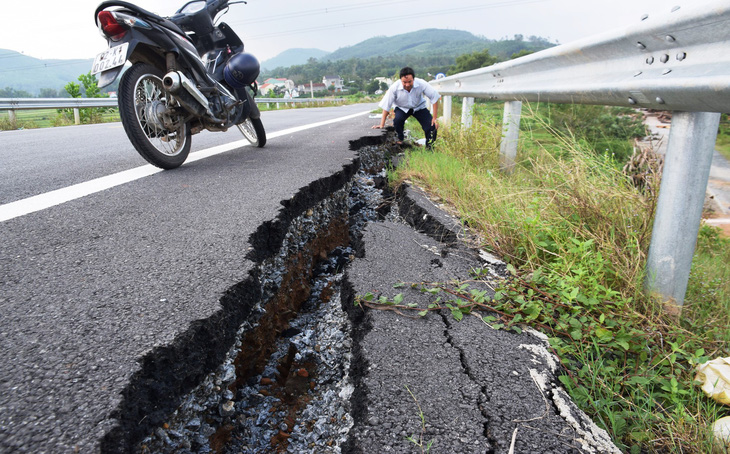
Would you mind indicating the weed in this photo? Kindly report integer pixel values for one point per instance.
(412, 438)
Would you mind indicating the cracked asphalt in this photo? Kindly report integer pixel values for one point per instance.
(478, 389)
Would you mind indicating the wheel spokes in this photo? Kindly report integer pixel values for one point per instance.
(150, 102)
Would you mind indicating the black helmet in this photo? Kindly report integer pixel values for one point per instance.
(241, 70)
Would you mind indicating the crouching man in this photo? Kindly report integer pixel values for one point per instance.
(407, 96)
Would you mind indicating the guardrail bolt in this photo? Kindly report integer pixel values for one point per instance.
(664, 58)
(659, 100)
(644, 17)
(666, 71)
(670, 39)
(681, 56)
(638, 73)
(632, 101)
(640, 45)
(676, 8)
(650, 60)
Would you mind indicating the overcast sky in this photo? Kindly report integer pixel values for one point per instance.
(66, 29)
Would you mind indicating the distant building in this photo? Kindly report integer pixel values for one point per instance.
(309, 88)
(276, 81)
(266, 89)
(333, 82)
(275, 86)
(386, 80)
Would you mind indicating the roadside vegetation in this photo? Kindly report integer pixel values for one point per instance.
(723, 137)
(47, 118)
(575, 230)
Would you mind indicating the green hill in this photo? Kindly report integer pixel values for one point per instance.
(429, 51)
(430, 41)
(24, 73)
(292, 57)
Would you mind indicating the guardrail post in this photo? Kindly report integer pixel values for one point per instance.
(510, 134)
(446, 109)
(466, 112)
(11, 116)
(77, 116)
(679, 206)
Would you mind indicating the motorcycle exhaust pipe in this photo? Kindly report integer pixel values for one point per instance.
(175, 80)
(172, 82)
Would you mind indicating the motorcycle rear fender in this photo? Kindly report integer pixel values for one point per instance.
(141, 49)
(109, 76)
(151, 50)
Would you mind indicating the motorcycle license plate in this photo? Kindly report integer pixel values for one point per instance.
(110, 58)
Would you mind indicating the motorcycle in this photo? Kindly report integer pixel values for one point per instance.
(188, 74)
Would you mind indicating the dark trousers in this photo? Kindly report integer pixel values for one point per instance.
(424, 118)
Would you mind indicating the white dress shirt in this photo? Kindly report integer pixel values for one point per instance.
(397, 96)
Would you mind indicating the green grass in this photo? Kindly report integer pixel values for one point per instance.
(723, 137)
(577, 232)
(47, 118)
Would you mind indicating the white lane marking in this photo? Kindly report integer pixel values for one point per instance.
(49, 199)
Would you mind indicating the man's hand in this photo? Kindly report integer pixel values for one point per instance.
(382, 120)
(435, 123)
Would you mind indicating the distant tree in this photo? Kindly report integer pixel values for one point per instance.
(521, 53)
(372, 86)
(73, 89)
(471, 61)
(9, 92)
(91, 87)
(48, 93)
(356, 84)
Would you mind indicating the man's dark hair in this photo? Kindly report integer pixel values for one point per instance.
(407, 71)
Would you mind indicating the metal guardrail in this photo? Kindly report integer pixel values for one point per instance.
(676, 61)
(81, 103)
(680, 62)
(13, 104)
(55, 103)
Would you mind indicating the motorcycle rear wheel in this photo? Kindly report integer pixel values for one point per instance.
(143, 102)
(253, 130)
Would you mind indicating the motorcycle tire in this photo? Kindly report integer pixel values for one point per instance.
(142, 101)
(253, 130)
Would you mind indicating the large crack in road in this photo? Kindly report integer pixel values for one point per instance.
(290, 364)
(291, 344)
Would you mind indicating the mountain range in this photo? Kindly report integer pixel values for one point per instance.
(24, 73)
(422, 43)
(19, 72)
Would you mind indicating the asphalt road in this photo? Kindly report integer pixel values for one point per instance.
(89, 286)
(102, 294)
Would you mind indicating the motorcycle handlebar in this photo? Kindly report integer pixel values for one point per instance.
(215, 6)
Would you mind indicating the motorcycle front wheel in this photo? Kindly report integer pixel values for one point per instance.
(253, 130)
(144, 110)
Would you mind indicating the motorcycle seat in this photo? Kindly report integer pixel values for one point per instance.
(143, 13)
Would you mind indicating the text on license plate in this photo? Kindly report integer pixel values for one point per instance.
(110, 58)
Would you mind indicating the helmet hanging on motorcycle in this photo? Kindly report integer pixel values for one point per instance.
(241, 70)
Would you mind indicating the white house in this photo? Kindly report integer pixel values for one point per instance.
(334, 82)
